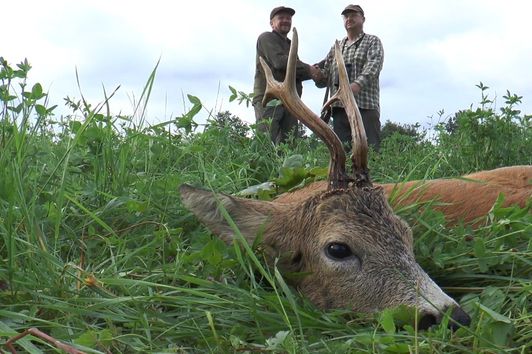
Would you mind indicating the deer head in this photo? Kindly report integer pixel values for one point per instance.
(356, 253)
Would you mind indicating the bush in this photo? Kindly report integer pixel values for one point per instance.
(479, 139)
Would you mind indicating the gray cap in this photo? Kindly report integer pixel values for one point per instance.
(354, 8)
(282, 9)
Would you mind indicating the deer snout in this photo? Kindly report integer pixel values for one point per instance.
(458, 319)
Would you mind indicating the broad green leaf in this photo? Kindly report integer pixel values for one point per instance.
(494, 315)
(479, 250)
(36, 92)
(40, 109)
(233, 94)
(398, 348)
(277, 340)
(294, 161)
(274, 103)
(501, 332)
(195, 100)
(88, 339)
(213, 251)
(387, 322)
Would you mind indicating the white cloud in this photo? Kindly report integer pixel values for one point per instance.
(436, 51)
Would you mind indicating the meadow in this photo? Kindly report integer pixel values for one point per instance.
(97, 251)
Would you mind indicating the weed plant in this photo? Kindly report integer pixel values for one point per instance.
(97, 251)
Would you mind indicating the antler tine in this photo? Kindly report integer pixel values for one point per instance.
(286, 92)
(359, 154)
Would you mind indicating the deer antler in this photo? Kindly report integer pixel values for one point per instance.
(359, 155)
(286, 92)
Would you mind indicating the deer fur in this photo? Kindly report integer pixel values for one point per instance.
(467, 199)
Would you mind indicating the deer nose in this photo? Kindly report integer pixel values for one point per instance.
(458, 319)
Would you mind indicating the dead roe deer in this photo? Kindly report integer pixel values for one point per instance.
(354, 250)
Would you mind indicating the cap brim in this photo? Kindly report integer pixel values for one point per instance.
(349, 10)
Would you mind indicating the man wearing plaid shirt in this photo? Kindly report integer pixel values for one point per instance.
(363, 55)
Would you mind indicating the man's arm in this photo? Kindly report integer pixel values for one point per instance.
(372, 68)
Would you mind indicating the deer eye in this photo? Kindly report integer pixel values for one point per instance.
(338, 251)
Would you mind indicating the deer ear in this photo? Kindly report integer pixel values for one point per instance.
(250, 216)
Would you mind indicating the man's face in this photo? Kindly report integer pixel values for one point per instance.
(281, 22)
(353, 20)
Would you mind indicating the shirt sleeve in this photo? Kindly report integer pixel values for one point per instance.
(325, 69)
(374, 61)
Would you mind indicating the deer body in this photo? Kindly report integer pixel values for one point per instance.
(466, 199)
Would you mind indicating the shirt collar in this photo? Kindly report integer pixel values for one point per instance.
(281, 36)
(359, 37)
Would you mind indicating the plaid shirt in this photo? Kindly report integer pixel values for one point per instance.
(363, 59)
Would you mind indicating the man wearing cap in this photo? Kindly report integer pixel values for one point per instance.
(274, 47)
(363, 55)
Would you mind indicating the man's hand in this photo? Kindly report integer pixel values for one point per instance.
(315, 73)
(355, 88)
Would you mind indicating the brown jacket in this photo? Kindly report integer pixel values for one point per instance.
(274, 49)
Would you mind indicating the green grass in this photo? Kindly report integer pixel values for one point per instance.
(97, 251)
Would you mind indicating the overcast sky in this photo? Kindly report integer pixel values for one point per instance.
(436, 51)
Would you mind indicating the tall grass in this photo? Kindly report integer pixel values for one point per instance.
(97, 251)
